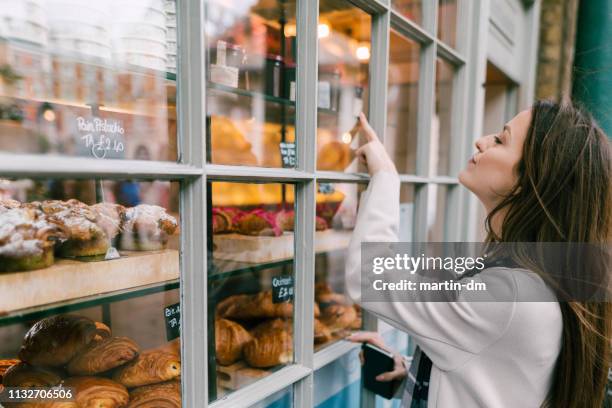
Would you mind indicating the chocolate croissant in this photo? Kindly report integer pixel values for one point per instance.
(269, 348)
(97, 392)
(54, 341)
(26, 376)
(230, 338)
(258, 306)
(103, 355)
(339, 317)
(152, 366)
(322, 333)
(162, 395)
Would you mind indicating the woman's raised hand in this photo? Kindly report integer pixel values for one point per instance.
(399, 370)
(373, 153)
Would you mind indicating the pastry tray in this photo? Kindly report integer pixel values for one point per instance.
(70, 279)
(246, 248)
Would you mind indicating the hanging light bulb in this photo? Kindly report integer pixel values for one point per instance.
(49, 115)
(363, 52)
(323, 30)
(290, 30)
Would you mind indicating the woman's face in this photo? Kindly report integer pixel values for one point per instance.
(492, 171)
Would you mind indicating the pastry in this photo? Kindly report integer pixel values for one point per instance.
(97, 392)
(322, 333)
(147, 228)
(85, 236)
(257, 306)
(151, 366)
(103, 355)
(55, 341)
(102, 331)
(269, 347)
(26, 376)
(110, 217)
(5, 365)
(173, 346)
(334, 156)
(162, 395)
(338, 317)
(320, 224)
(230, 338)
(258, 222)
(8, 204)
(286, 221)
(221, 221)
(27, 240)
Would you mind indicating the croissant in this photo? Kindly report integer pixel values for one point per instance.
(339, 317)
(25, 375)
(102, 331)
(258, 306)
(54, 341)
(97, 392)
(322, 333)
(173, 346)
(6, 364)
(269, 348)
(230, 338)
(162, 395)
(152, 366)
(103, 355)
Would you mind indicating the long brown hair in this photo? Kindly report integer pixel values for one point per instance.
(564, 194)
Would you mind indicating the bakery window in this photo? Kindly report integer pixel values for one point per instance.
(89, 276)
(402, 101)
(78, 79)
(250, 280)
(407, 210)
(344, 34)
(441, 127)
(411, 9)
(336, 209)
(251, 83)
(437, 218)
(447, 21)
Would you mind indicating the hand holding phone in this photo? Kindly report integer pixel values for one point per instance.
(380, 370)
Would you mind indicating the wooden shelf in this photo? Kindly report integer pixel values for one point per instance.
(71, 282)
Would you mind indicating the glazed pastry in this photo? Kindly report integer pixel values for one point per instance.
(338, 317)
(322, 333)
(147, 228)
(54, 341)
(152, 366)
(85, 236)
(258, 306)
(8, 204)
(162, 395)
(110, 218)
(98, 392)
(25, 375)
(26, 240)
(103, 355)
(258, 222)
(270, 347)
(230, 338)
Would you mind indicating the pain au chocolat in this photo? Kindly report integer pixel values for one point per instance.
(103, 355)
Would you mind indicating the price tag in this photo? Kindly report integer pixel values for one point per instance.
(282, 289)
(326, 188)
(287, 151)
(172, 314)
(100, 138)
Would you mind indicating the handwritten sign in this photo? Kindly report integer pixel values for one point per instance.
(100, 138)
(172, 314)
(287, 151)
(326, 188)
(282, 289)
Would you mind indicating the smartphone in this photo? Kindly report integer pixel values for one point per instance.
(376, 362)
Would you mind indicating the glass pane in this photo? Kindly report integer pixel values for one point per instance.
(436, 213)
(80, 78)
(89, 276)
(336, 215)
(402, 102)
(251, 68)
(447, 22)
(409, 8)
(250, 280)
(280, 399)
(441, 132)
(406, 228)
(344, 56)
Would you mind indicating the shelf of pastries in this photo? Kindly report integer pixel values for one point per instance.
(56, 251)
(254, 335)
(102, 368)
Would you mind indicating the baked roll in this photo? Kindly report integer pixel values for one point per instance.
(103, 355)
(110, 217)
(230, 338)
(338, 317)
(54, 341)
(162, 395)
(27, 376)
(257, 306)
(269, 347)
(150, 367)
(27, 240)
(147, 228)
(286, 221)
(98, 392)
(258, 222)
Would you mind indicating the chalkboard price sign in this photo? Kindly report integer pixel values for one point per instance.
(282, 289)
(172, 314)
(287, 151)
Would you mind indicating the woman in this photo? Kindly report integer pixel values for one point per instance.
(544, 178)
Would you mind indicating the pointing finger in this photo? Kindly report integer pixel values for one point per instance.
(370, 134)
